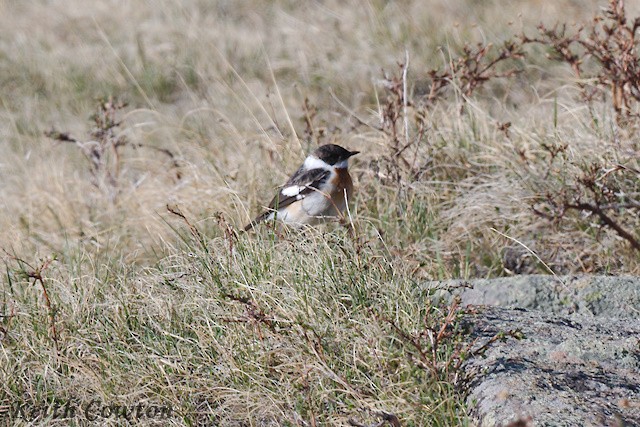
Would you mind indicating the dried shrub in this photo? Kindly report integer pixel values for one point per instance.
(404, 113)
(104, 151)
(438, 345)
(474, 67)
(606, 197)
(602, 54)
(598, 193)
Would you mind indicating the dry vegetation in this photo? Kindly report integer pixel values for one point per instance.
(136, 139)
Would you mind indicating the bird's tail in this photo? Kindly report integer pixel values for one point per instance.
(256, 221)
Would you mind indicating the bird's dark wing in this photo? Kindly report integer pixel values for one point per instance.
(298, 186)
(302, 183)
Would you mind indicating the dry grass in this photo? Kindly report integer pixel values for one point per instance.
(242, 330)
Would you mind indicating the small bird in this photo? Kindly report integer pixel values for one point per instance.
(318, 191)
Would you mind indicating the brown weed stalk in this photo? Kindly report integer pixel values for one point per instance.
(36, 274)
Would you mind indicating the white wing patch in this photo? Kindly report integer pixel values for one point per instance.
(293, 190)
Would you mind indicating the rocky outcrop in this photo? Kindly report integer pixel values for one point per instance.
(578, 363)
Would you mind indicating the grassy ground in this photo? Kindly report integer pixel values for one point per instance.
(144, 306)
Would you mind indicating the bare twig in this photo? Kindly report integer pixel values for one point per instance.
(608, 221)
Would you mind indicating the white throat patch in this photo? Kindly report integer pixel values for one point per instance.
(342, 165)
(313, 162)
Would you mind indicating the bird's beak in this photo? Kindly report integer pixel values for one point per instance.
(353, 153)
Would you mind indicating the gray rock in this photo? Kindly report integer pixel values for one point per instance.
(607, 296)
(578, 363)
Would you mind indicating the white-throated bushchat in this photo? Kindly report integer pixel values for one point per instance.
(318, 191)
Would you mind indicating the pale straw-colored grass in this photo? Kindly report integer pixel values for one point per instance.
(275, 327)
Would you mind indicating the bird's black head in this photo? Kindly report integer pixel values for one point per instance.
(333, 154)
